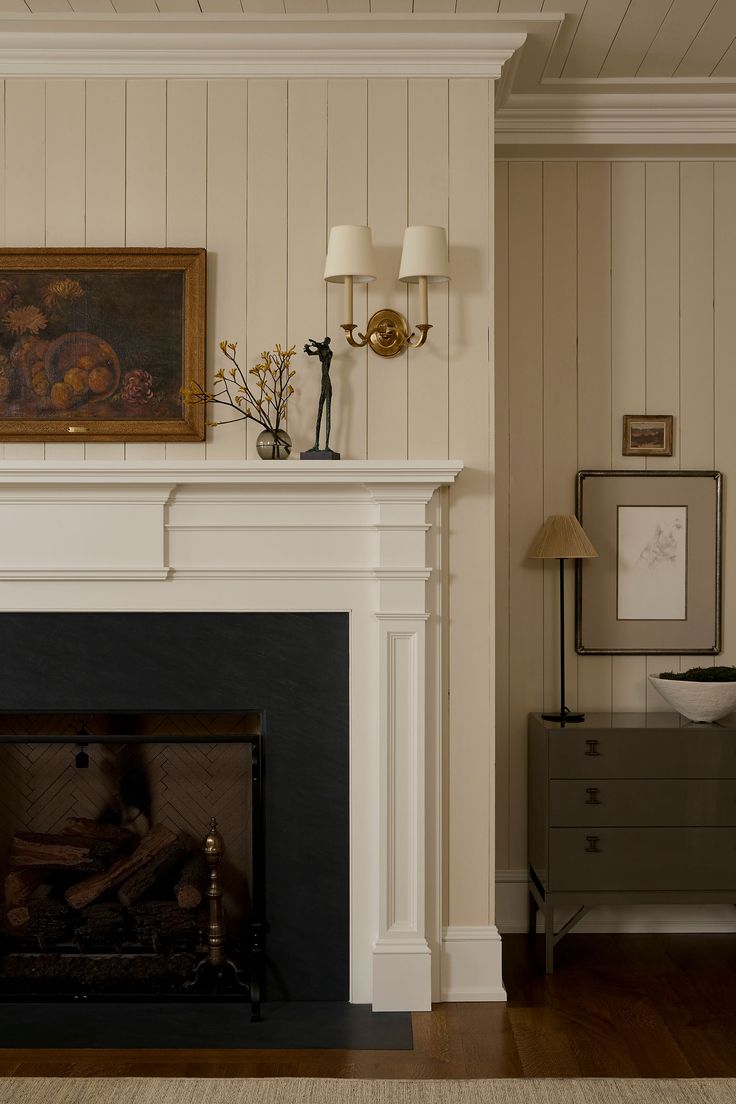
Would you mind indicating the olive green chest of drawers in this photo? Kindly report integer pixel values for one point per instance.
(629, 809)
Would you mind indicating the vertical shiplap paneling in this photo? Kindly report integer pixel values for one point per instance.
(145, 192)
(725, 379)
(65, 192)
(628, 363)
(663, 329)
(186, 190)
(428, 202)
(594, 369)
(347, 202)
(2, 189)
(387, 217)
(696, 314)
(501, 511)
(560, 444)
(307, 218)
(105, 191)
(526, 482)
(227, 159)
(267, 231)
(470, 567)
(25, 189)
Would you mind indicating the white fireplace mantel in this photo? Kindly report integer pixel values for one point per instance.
(356, 536)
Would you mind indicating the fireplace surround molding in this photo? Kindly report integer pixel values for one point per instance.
(365, 537)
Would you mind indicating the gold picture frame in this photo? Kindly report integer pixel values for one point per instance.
(648, 434)
(96, 344)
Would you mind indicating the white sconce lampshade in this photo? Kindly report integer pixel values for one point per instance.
(350, 253)
(424, 254)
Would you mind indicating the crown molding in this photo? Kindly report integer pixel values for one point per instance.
(212, 46)
(545, 119)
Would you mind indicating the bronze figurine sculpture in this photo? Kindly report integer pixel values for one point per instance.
(322, 350)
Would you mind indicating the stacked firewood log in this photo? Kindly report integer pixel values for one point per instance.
(97, 883)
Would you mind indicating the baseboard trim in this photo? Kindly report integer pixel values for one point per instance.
(471, 964)
(512, 905)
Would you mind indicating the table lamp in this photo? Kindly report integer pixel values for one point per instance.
(562, 537)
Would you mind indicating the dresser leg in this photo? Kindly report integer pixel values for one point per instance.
(533, 909)
(549, 938)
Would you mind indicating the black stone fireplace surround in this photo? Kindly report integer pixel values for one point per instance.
(293, 669)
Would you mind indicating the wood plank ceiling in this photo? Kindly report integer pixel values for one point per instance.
(619, 39)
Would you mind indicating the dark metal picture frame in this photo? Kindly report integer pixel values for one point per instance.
(598, 628)
(97, 344)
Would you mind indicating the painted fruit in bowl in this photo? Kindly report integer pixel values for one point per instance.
(80, 368)
(696, 699)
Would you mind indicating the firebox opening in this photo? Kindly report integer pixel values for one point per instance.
(107, 876)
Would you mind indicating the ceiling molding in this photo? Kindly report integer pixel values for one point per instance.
(204, 46)
(638, 119)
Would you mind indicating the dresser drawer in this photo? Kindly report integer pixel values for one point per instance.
(695, 752)
(639, 803)
(618, 860)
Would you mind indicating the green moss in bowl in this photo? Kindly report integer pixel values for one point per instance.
(701, 674)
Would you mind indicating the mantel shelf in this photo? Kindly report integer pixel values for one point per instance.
(247, 472)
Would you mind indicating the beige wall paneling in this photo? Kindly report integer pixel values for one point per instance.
(2, 189)
(358, 7)
(696, 314)
(594, 369)
(708, 47)
(65, 192)
(727, 65)
(560, 446)
(696, 326)
(595, 32)
(266, 225)
(218, 6)
(145, 190)
(94, 6)
(725, 382)
(471, 505)
(501, 513)
(25, 188)
(46, 6)
(227, 159)
(628, 363)
(347, 202)
(663, 331)
(424, 6)
(680, 25)
(307, 7)
(307, 223)
(387, 216)
(12, 6)
(526, 467)
(175, 6)
(636, 33)
(389, 6)
(428, 367)
(105, 191)
(520, 6)
(134, 7)
(186, 190)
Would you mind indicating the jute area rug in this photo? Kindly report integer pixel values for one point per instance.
(41, 1090)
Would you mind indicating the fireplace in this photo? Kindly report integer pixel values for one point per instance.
(233, 704)
(357, 544)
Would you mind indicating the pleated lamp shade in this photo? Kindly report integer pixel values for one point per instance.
(562, 537)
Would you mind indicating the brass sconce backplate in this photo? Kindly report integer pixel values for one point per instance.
(388, 332)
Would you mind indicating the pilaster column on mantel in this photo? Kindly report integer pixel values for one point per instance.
(402, 958)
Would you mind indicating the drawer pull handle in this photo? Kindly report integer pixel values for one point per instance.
(592, 798)
(592, 747)
(592, 847)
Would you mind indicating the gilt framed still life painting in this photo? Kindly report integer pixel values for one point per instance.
(655, 587)
(97, 344)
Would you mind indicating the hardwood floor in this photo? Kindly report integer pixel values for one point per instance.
(617, 1006)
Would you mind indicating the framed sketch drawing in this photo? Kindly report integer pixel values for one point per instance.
(655, 588)
(96, 344)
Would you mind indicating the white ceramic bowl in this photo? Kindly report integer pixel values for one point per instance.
(698, 701)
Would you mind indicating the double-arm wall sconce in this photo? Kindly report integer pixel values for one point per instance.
(423, 261)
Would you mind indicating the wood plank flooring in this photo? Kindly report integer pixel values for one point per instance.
(617, 1006)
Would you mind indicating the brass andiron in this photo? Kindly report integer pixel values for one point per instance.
(216, 959)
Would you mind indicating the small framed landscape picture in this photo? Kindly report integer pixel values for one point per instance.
(648, 434)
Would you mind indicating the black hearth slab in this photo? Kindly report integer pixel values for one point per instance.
(330, 1025)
